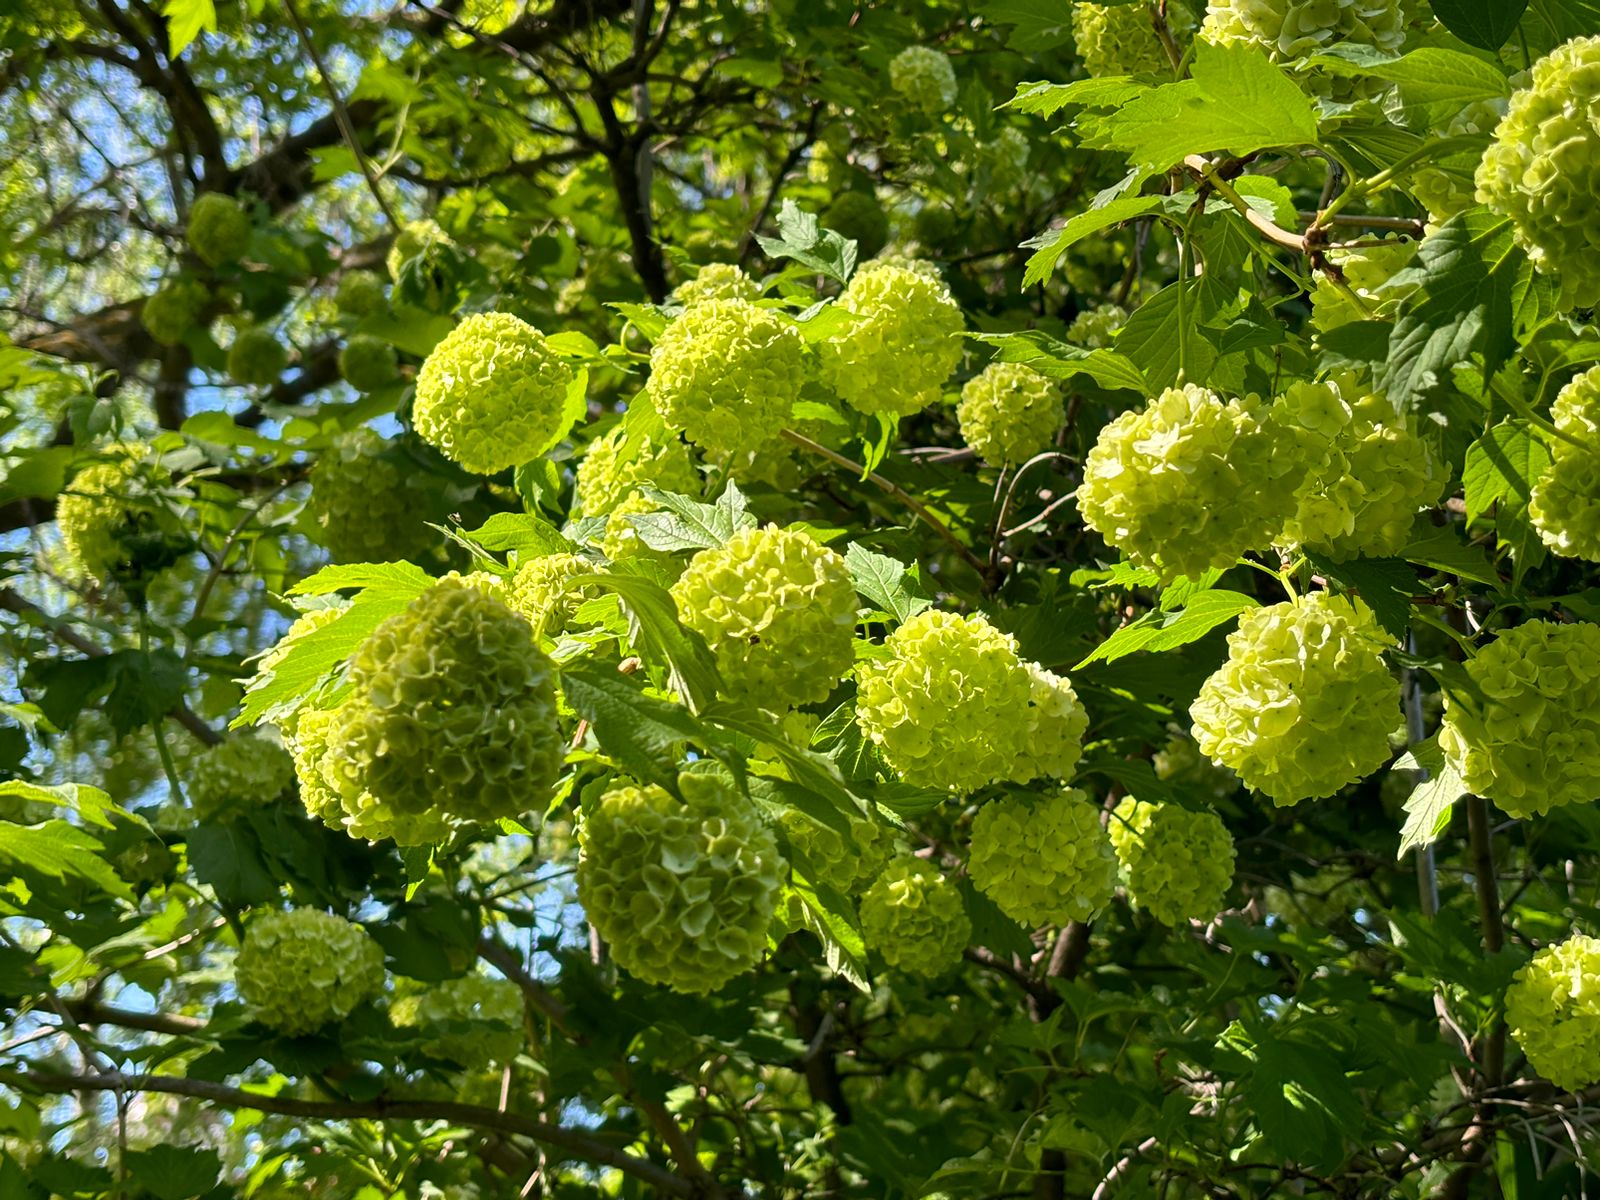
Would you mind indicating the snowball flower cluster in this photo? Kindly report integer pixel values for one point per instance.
(682, 891)
(1553, 1012)
(1369, 273)
(298, 971)
(492, 394)
(359, 293)
(924, 77)
(364, 503)
(952, 706)
(1096, 328)
(256, 357)
(1176, 862)
(902, 344)
(1304, 704)
(1565, 502)
(543, 592)
(472, 1021)
(1043, 859)
(1121, 39)
(1530, 739)
(368, 363)
(914, 918)
(716, 281)
(1541, 167)
(104, 509)
(615, 466)
(778, 610)
(174, 310)
(240, 772)
(1292, 29)
(1009, 412)
(219, 229)
(727, 373)
(1189, 482)
(845, 864)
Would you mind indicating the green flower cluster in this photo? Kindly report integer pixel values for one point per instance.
(1540, 169)
(859, 217)
(219, 229)
(914, 918)
(615, 466)
(1176, 862)
(682, 892)
(244, 771)
(1293, 29)
(1443, 188)
(471, 1021)
(1371, 471)
(778, 609)
(1305, 704)
(104, 509)
(716, 281)
(451, 717)
(726, 373)
(924, 77)
(415, 238)
(952, 706)
(1009, 412)
(620, 539)
(492, 394)
(1368, 273)
(174, 310)
(543, 592)
(368, 363)
(257, 358)
(360, 293)
(1565, 502)
(1189, 482)
(1043, 859)
(1530, 739)
(1096, 328)
(902, 344)
(847, 865)
(1121, 39)
(363, 503)
(1553, 1012)
(301, 970)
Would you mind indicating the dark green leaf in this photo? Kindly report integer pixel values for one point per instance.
(659, 637)
(171, 1172)
(228, 857)
(1157, 631)
(644, 734)
(1483, 23)
(1386, 584)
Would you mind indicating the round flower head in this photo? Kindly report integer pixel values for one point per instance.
(414, 239)
(620, 539)
(1292, 29)
(1045, 860)
(471, 1021)
(1447, 187)
(1096, 328)
(1530, 738)
(329, 794)
(173, 311)
(219, 229)
(1007, 158)
(1189, 482)
(452, 712)
(543, 592)
(1565, 503)
(1369, 273)
(242, 772)
(727, 373)
(925, 78)
(257, 358)
(1553, 1012)
(847, 865)
(1121, 39)
(298, 971)
(107, 509)
(682, 891)
(1177, 863)
(492, 394)
(364, 503)
(368, 363)
(716, 281)
(1369, 471)
(859, 217)
(902, 345)
(615, 466)
(360, 293)
(914, 918)
(1540, 169)
(778, 609)
(952, 706)
(1304, 705)
(1009, 413)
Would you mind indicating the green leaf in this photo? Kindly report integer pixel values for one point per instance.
(643, 733)
(1152, 337)
(1237, 102)
(394, 579)
(803, 239)
(1482, 23)
(1049, 247)
(885, 581)
(1055, 358)
(659, 637)
(646, 318)
(1303, 1103)
(1046, 99)
(37, 473)
(1435, 83)
(690, 525)
(1441, 548)
(228, 857)
(528, 535)
(90, 803)
(827, 915)
(1501, 467)
(1036, 25)
(185, 20)
(1386, 584)
(813, 771)
(1428, 807)
(58, 850)
(171, 1172)
(1157, 631)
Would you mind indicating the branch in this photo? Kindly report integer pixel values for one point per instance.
(570, 1141)
(88, 1012)
(1481, 835)
(503, 959)
(1208, 173)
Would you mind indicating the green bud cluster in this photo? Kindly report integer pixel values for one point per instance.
(726, 373)
(1565, 502)
(778, 610)
(257, 358)
(1045, 859)
(914, 918)
(219, 229)
(1180, 763)
(241, 772)
(951, 705)
(360, 293)
(1529, 739)
(901, 346)
(1305, 703)
(471, 1021)
(682, 891)
(364, 503)
(492, 394)
(1553, 1012)
(859, 217)
(925, 78)
(1176, 862)
(300, 970)
(1009, 412)
(1540, 169)
(1189, 482)
(368, 363)
(174, 310)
